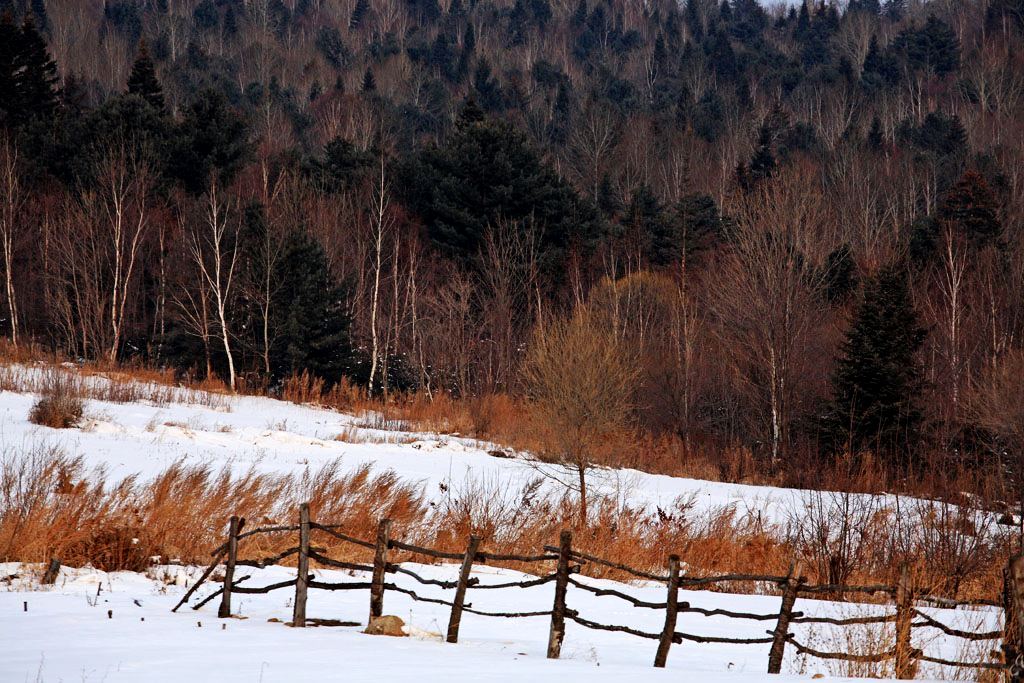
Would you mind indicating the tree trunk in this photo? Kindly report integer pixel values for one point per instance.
(581, 469)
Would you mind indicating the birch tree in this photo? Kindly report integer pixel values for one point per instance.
(213, 246)
(12, 202)
(382, 222)
(124, 186)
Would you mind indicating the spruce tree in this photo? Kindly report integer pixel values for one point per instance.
(876, 382)
(971, 210)
(35, 76)
(10, 43)
(143, 81)
(309, 320)
(358, 14)
(369, 83)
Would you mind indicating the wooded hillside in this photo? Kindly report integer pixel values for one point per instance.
(793, 230)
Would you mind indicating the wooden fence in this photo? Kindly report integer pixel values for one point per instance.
(568, 562)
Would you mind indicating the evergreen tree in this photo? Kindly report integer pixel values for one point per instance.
(486, 173)
(699, 225)
(970, 208)
(876, 138)
(840, 275)
(39, 15)
(35, 76)
(358, 14)
(875, 386)
(934, 46)
(657, 234)
(308, 316)
(143, 81)
(369, 83)
(211, 138)
(10, 43)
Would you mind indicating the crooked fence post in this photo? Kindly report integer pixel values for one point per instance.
(380, 565)
(906, 667)
(1013, 629)
(460, 591)
(780, 635)
(302, 575)
(229, 568)
(671, 610)
(557, 633)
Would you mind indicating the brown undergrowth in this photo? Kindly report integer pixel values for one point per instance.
(52, 505)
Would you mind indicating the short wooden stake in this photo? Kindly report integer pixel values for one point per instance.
(557, 633)
(906, 666)
(668, 633)
(380, 565)
(1013, 629)
(780, 635)
(52, 570)
(302, 576)
(460, 591)
(229, 568)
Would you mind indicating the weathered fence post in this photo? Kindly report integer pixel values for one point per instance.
(380, 566)
(906, 667)
(302, 576)
(557, 633)
(1013, 629)
(671, 610)
(229, 568)
(790, 589)
(460, 590)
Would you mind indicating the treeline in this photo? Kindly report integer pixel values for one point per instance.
(800, 226)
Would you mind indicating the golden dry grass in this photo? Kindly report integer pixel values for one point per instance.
(52, 505)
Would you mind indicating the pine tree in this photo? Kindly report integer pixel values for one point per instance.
(309, 319)
(10, 43)
(486, 174)
(358, 14)
(143, 81)
(36, 76)
(877, 379)
(39, 13)
(369, 83)
(971, 209)
(876, 138)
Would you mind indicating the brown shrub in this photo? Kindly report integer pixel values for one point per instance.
(60, 404)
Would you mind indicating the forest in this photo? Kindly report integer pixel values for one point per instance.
(723, 239)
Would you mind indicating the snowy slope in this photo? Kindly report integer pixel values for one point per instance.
(276, 436)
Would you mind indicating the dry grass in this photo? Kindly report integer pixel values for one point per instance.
(118, 386)
(60, 404)
(52, 506)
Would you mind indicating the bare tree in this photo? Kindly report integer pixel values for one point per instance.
(580, 386)
(124, 185)
(12, 201)
(382, 222)
(765, 291)
(213, 246)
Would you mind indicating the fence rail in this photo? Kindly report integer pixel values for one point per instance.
(569, 562)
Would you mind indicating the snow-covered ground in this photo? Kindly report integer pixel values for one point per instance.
(275, 436)
(66, 634)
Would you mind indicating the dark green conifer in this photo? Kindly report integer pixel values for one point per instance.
(877, 381)
(143, 81)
